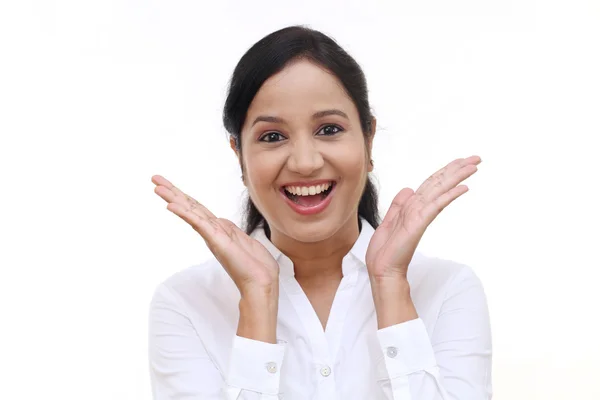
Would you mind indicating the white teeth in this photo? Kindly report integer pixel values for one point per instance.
(307, 190)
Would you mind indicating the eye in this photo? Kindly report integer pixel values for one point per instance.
(330, 130)
(270, 137)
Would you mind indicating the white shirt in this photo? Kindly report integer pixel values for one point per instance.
(444, 354)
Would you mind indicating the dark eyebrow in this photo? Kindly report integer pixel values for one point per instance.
(266, 118)
(317, 115)
(325, 113)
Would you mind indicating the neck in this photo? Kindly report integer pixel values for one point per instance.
(318, 261)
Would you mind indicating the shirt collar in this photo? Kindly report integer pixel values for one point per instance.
(353, 260)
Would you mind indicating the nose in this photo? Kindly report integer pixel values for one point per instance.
(305, 158)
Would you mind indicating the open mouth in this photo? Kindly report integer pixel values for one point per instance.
(309, 196)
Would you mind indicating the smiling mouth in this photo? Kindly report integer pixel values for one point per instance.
(303, 197)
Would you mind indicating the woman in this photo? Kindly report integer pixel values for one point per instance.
(316, 299)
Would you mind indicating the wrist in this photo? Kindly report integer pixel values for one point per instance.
(262, 292)
(396, 286)
(258, 317)
(393, 303)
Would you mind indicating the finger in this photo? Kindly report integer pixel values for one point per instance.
(435, 179)
(450, 183)
(443, 183)
(397, 204)
(171, 194)
(433, 209)
(161, 181)
(439, 174)
(186, 202)
(217, 232)
(208, 228)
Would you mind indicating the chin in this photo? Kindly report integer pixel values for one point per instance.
(311, 229)
(311, 232)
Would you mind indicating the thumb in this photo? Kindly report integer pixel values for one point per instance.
(397, 205)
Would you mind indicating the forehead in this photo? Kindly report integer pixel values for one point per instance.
(300, 89)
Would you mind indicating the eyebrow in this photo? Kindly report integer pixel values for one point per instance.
(317, 115)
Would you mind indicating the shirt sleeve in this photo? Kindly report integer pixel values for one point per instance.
(454, 364)
(181, 368)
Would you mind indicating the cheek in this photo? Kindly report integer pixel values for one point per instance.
(350, 161)
(357, 175)
(261, 172)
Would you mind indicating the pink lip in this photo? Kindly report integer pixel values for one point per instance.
(309, 210)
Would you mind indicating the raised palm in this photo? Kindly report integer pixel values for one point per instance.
(247, 261)
(394, 242)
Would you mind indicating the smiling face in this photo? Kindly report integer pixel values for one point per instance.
(304, 154)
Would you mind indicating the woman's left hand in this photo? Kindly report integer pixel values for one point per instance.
(394, 242)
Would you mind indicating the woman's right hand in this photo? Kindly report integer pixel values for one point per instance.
(252, 268)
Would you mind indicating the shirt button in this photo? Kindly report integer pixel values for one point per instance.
(392, 352)
(272, 367)
(325, 371)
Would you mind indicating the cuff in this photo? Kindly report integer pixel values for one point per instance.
(255, 365)
(406, 348)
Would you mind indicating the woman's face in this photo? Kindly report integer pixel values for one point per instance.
(304, 155)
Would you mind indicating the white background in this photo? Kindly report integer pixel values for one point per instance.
(96, 97)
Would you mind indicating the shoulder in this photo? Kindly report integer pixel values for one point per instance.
(199, 287)
(434, 279)
(193, 312)
(438, 271)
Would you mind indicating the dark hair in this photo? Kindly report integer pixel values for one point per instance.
(269, 56)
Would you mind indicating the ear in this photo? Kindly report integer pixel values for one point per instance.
(370, 143)
(237, 154)
(233, 147)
